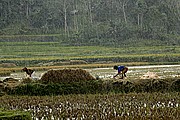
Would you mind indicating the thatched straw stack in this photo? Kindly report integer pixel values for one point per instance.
(66, 76)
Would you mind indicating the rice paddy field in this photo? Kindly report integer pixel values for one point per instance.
(105, 73)
(125, 106)
(136, 72)
(30, 53)
(136, 106)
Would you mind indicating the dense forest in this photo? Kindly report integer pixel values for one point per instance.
(97, 22)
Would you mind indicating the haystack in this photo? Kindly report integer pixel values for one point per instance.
(66, 76)
(150, 75)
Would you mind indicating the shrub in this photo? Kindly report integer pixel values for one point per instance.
(27, 80)
(37, 89)
(175, 86)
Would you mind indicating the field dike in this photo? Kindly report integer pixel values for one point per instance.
(79, 81)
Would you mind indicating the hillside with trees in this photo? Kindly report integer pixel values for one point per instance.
(94, 22)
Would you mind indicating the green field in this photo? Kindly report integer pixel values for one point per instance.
(33, 52)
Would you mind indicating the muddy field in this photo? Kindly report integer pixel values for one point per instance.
(137, 72)
(134, 72)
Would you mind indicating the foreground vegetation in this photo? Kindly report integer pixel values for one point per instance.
(137, 106)
(14, 115)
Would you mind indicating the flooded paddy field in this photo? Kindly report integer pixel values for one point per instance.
(134, 72)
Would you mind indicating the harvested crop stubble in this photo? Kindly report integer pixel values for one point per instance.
(66, 75)
(133, 106)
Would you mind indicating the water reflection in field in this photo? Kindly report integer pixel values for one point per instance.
(136, 72)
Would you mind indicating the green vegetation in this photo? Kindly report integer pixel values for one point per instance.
(32, 53)
(99, 22)
(95, 86)
(44, 34)
(14, 115)
(38, 89)
(40, 31)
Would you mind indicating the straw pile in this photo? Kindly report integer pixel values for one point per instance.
(66, 76)
(150, 75)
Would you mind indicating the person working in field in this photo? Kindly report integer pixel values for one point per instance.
(28, 71)
(121, 70)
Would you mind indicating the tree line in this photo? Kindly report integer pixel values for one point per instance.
(93, 21)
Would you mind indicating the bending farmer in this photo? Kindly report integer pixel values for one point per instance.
(121, 70)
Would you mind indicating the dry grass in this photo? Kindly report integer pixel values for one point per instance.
(66, 75)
